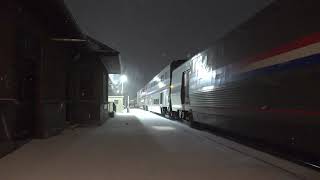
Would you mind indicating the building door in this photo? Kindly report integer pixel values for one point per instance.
(27, 97)
(29, 57)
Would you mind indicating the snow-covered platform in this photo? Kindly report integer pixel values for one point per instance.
(144, 146)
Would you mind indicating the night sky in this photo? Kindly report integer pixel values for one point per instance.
(151, 33)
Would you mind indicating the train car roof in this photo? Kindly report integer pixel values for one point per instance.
(279, 23)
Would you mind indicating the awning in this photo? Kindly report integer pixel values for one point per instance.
(108, 56)
(112, 64)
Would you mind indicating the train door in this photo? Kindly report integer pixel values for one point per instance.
(163, 103)
(185, 99)
(161, 99)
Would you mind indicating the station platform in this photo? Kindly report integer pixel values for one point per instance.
(143, 146)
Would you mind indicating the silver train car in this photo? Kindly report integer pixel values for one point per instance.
(260, 81)
(155, 96)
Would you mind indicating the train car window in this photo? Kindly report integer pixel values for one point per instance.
(166, 75)
(204, 60)
(210, 59)
(162, 78)
(156, 101)
(218, 76)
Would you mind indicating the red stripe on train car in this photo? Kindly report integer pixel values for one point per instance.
(305, 41)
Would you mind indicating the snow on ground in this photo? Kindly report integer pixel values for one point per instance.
(143, 146)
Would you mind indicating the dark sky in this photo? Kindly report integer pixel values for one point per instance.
(151, 33)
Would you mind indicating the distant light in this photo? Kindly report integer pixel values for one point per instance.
(123, 78)
(157, 79)
(161, 85)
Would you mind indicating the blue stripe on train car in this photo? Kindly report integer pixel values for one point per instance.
(294, 64)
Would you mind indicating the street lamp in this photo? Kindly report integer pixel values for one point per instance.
(123, 79)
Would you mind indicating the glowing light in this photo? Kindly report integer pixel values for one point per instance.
(177, 106)
(123, 78)
(208, 88)
(161, 85)
(214, 74)
(157, 79)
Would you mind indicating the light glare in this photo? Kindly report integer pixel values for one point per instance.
(123, 78)
(161, 85)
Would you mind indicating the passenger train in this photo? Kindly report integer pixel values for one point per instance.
(155, 96)
(260, 81)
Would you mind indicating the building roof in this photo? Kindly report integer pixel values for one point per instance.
(62, 27)
(109, 57)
